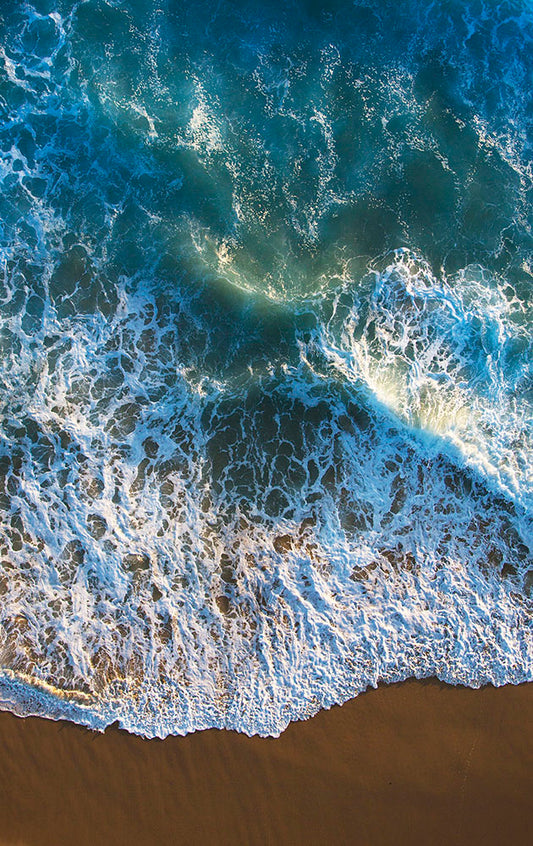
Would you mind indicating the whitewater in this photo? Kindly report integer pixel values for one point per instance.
(266, 377)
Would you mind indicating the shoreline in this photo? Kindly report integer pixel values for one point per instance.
(416, 762)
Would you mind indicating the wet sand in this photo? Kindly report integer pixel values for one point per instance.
(416, 763)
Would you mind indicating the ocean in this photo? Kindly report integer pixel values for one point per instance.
(266, 372)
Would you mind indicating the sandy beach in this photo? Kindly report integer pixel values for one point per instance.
(418, 763)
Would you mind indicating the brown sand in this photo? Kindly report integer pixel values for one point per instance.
(415, 763)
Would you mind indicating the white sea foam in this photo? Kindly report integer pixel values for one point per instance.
(180, 574)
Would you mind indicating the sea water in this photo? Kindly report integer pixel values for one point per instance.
(265, 355)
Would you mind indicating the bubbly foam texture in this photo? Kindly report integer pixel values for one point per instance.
(265, 358)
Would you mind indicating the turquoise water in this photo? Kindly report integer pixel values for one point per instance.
(265, 355)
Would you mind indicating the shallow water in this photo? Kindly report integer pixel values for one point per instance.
(265, 355)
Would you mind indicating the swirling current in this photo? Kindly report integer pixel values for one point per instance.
(265, 355)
